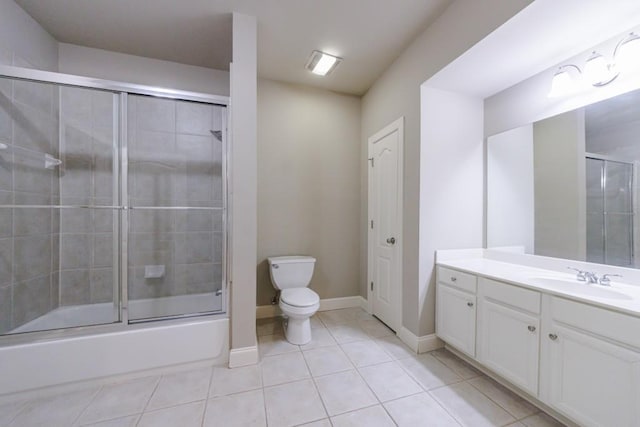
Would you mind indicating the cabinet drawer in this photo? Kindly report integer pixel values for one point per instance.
(616, 326)
(457, 279)
(524, 299)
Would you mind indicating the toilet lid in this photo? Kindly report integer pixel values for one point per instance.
(299, 297)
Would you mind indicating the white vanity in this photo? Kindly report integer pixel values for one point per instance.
(571, 345)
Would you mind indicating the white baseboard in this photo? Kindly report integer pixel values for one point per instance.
(243, 356)
(421, 344)
(266, 311)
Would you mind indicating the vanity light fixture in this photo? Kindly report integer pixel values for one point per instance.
(565, 81)
(597, 71)
(322, 63)
(627, 53)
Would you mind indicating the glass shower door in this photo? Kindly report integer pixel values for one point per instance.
(176, 195)
(609, 212)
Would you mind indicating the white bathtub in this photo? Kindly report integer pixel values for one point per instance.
(132, 349)
(103, 313)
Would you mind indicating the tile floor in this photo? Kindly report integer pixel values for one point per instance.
(355, 372)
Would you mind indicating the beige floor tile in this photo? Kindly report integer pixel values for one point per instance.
(237, 410)
(375, 328)
(119, 400)
(516, 424)
(364, 353)
(320, 337)
(187, 415)
(293, 404)
(419, 410)
(344, 392)
(322, 423)
(130, 421)
(228, 381)
(428, 371)
(326, 360)
(316, 323)
(60, 410)
(541, 420)
(394, 347)
(512, 403)
(181, 387)
(283, 368)
(389, 381)
(456, 364)
(9, 410)
(374, 416)
(337, 317)
(270, 345)
(348, 332)
(270, 326)
(470, 407)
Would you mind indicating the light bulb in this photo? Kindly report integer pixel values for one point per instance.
(563, 82)
(627, 54)
(597, 71)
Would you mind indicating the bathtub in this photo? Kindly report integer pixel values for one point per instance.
(128, 349)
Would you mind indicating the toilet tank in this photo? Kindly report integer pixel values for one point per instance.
(291, 271)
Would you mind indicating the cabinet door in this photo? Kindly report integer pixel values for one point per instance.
(508, 343)
(456, 318)
(592, 381)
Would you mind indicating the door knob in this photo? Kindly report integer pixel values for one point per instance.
(391, 240)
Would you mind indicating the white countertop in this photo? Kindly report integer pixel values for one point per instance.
(623, 297)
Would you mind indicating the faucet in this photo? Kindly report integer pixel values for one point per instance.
(605, 281)
(591, 277)
(581, 276)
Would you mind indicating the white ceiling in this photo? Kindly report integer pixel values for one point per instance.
(542, 35)
(368, 34)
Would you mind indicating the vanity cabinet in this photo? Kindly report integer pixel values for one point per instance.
(590, 367)
(456, 309)
(508, 332)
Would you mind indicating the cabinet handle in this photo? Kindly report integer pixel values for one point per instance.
(531, 328)
(454, 278)
(470, 304)
(553, 337)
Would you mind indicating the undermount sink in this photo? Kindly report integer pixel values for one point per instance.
(578, 288)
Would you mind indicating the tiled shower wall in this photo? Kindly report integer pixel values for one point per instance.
(28, 236)
(175, 161)
(86, 178)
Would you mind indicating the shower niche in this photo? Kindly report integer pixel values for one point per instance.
(113, 203)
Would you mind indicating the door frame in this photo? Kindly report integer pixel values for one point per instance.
(395, 126)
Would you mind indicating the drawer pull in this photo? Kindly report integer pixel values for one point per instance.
(470, 304)
(553, 337)
(531, 328)
(454, 278)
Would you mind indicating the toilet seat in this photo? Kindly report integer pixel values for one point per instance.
(299, 297)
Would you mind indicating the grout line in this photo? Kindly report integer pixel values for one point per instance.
(93, 398)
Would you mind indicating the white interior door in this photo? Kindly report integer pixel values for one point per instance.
(385, 224)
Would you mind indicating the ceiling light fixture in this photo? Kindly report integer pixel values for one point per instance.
(627, 53)
(321, 63)
(565, 81)
(597, 71)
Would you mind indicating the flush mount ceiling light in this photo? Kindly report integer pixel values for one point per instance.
(321, 63)
(598, 71)
(627, 53)
(565, 81)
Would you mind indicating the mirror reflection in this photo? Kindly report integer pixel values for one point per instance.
(567, 186)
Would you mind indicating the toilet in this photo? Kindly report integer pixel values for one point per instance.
(291, 275)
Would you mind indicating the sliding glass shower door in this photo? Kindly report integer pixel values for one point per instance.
(609, 212)
(176, 196)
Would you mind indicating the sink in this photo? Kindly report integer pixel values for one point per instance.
(578, 288)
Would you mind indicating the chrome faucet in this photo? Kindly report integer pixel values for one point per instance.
(605, 281)
(581, 276)
(591, 277)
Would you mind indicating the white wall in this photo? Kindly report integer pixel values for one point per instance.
(23, 42)
(510, 189)
(559, 183)
(309, 184)
(397, 94)
(451, 185)
(104, 64)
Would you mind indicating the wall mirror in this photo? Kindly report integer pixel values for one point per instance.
(567, 186)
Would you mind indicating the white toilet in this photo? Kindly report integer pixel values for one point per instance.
(291, 275)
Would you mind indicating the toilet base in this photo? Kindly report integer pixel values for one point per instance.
(297, 331)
